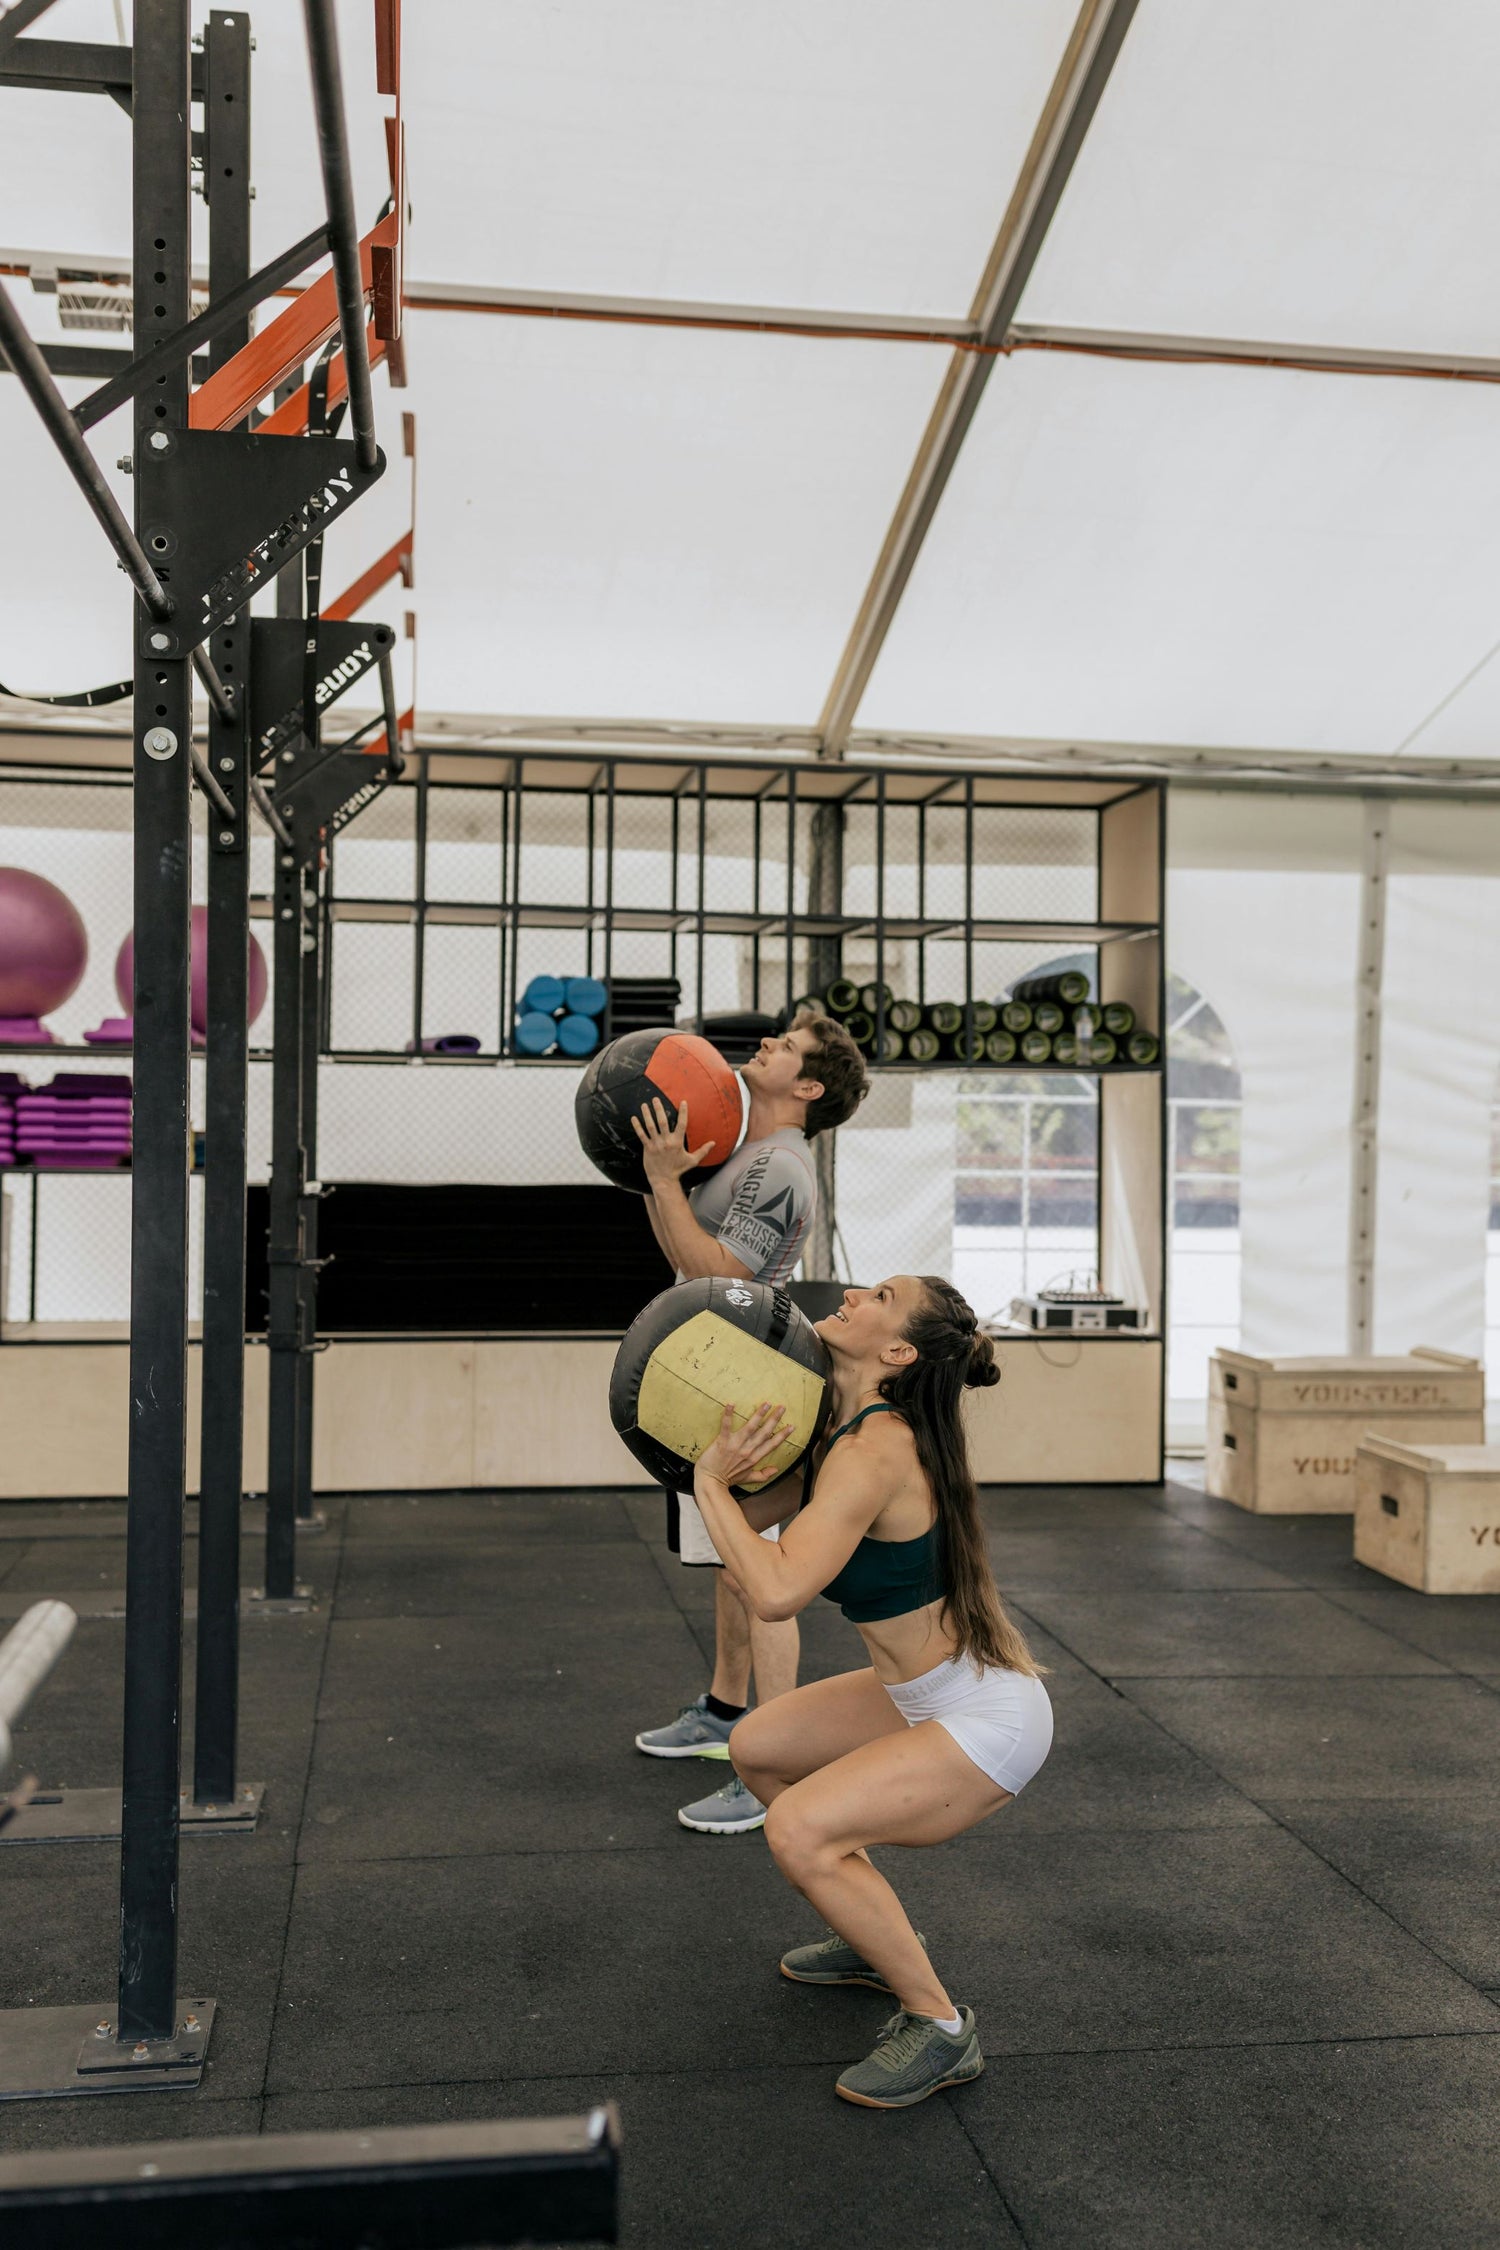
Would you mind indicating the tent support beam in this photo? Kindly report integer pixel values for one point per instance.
(1076, 92)
(45, 739)
(834, 326)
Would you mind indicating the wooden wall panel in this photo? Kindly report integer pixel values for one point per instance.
(448, 1414)
(1067, 1410)
(541, 1416)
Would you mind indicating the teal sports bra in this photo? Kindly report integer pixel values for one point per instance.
(886, 1577)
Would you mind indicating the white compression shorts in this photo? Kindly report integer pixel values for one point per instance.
(1000, 1719)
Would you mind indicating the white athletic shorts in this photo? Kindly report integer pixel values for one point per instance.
(1000, 1719)
(693, 1543)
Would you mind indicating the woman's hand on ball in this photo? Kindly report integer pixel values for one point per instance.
(735, 1454)
(664, 1145)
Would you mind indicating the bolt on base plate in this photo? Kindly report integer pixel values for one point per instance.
(92, 1816)
(50, 2052)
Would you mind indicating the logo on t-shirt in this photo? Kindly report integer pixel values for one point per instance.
(763, 1223)
(777, 1214)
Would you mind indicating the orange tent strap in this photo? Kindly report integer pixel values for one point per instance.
(223, 402)
(290, 418)
(394, 563)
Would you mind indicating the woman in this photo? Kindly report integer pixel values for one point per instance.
(949, 1721)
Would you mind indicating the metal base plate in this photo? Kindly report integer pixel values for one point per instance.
(49, 2052)
(109, 1601)
(257, 1603)
(90, 1816)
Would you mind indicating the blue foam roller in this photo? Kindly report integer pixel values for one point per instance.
(578, 1035)
(585, 996)
(543, 997)
(536, 1034)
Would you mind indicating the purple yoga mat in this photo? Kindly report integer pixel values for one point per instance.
(72, 1113)
(87, 1152)
(79, 1160)
(116, 1135)
(115, 1031)
(28, 1143)
(73, 1082)
(72, 1140)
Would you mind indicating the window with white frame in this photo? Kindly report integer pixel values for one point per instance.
(1026, 1200)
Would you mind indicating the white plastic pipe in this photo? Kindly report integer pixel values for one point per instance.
(27, 1654)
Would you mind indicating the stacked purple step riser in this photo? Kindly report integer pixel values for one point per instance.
(80, 1121)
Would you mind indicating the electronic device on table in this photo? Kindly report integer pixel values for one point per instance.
(1075, 1304)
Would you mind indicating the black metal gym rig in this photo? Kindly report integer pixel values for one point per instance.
(223, 505)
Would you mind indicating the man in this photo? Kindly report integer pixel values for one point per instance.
(747, 1221)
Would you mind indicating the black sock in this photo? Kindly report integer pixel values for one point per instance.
(730, 1711)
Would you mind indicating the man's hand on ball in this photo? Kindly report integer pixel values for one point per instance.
(735, 1455)
(664, 1145)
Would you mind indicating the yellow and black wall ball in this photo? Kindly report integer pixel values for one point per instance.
(710, 1344)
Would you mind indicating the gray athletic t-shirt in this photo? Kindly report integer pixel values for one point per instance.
(760, 1204)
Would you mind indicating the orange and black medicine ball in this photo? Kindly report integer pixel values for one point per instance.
(675, 1066)
(710, 1344)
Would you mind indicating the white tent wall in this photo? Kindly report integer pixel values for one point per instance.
(1314, 170)
(1439, 1063)
(850, 153)
(439, 1123)
(652, 521)
(1263, 899)
(1208, 556)
(895, 1180)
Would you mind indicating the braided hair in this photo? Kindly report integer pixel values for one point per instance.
(954, 1356)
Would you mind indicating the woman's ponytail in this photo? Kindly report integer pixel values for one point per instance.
(953, 1356)
(983, 1368)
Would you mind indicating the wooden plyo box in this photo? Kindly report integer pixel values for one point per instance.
(1283, 1434)
(1429, 1515)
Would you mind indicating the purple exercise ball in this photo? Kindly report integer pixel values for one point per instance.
(198, 986)
(44, 948)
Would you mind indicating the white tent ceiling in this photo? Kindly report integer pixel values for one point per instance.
(623, 522)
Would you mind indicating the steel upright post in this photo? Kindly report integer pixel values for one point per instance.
(307, 1290)
(220, 1475)
(159, 1187)
(314, 923)
(825, 961)
(226, 174)
(285, 1246)
(284, 1249)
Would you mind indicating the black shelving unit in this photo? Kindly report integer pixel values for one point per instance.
(924, 897)
(678, 865)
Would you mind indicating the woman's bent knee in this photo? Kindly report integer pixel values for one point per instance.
(797, 1842)
(752, 1740)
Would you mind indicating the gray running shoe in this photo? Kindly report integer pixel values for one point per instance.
(730, 1811)
(694, 1733)
(831, 1961)
(913, 2058)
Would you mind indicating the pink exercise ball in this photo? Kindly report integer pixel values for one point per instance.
(198, 984)
(44, 948)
